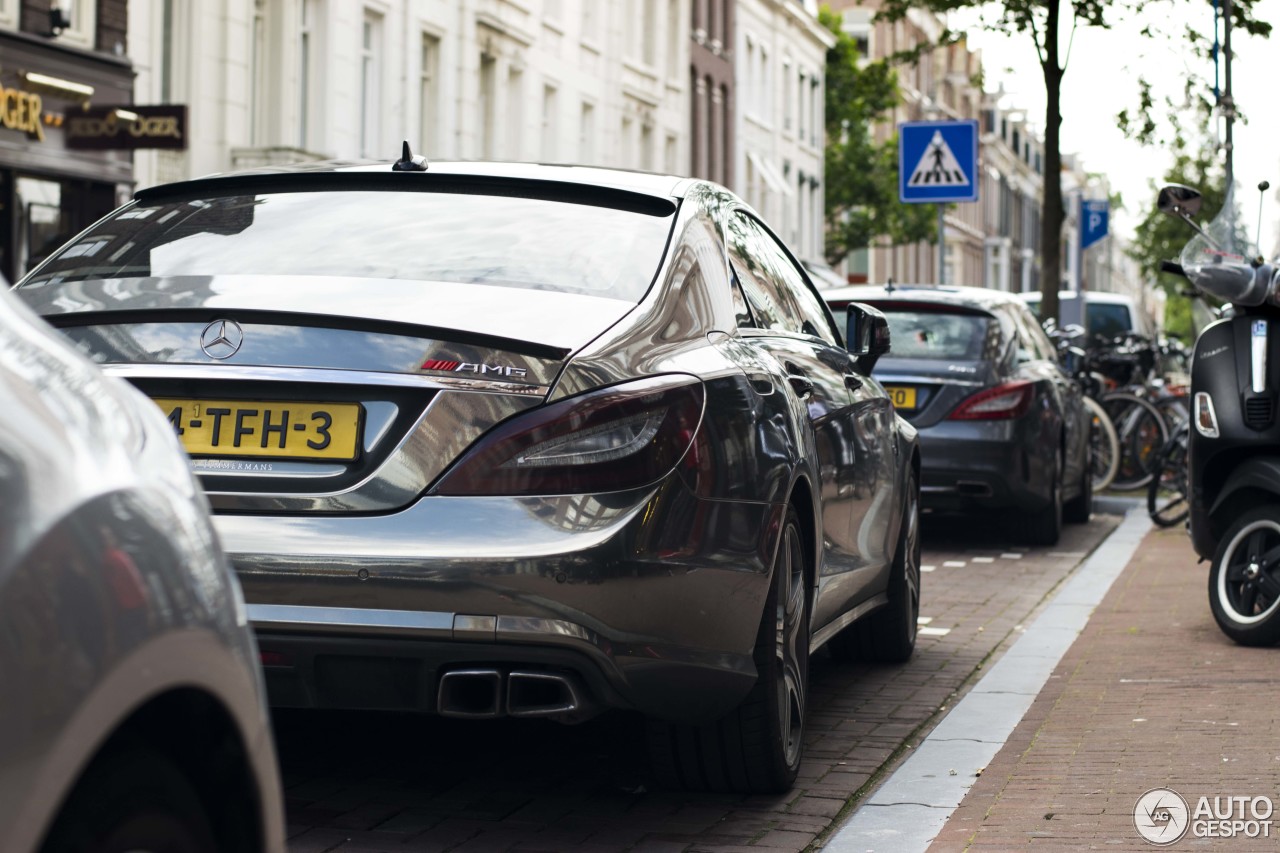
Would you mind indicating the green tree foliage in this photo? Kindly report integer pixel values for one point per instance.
(1049, 26)
(862, 174)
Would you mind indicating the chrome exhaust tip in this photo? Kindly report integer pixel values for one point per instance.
(542, 694)
(470, 693)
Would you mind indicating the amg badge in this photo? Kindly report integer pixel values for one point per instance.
(471, 367)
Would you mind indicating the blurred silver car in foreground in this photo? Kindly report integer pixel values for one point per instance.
(501, 439)
(132, 715)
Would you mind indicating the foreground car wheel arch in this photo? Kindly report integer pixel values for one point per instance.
(757, 747)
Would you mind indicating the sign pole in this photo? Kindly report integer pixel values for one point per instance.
(942, 243)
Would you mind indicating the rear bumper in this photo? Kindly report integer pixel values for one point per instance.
(978, 465)
(650, 600)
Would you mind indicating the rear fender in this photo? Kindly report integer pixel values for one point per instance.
(1260, 474)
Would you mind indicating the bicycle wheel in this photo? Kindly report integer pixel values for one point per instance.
(1167, 502)
(1104, 445)
(1175, 411)
(1142, 433)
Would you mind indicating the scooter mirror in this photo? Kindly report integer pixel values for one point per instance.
(1177, 200)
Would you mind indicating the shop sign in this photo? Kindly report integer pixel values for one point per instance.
(114, 127)
(21, 111)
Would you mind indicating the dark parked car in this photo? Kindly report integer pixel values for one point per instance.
(1001, 423)
(495, 439)
(133, 715)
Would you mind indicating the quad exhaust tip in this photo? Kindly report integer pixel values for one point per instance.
(478, 694)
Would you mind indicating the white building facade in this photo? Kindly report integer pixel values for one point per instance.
(779, 67)
(276, 81)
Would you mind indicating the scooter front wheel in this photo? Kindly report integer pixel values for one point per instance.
(1244, 581)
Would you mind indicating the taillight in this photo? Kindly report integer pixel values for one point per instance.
(622, 437)
(1003, 402)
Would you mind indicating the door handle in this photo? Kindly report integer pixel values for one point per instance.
(801, 385)
(852, 381)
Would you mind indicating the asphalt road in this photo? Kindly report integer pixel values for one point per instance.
(384, 782)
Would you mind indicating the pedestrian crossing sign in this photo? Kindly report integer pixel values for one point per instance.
(938, 161)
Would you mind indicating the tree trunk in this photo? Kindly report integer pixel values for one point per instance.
(1052, 214)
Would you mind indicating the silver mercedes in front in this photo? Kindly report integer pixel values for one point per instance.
(509, 440)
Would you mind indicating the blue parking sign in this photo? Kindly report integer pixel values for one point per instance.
(1094, 214)
(938, 161)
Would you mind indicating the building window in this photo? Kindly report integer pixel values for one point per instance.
(258, 75)
(308, 70)
(429, 95)
(513, 115)
(673, 39)
(486, 104)
(646, 146)
(550, 129)
(669, 154)
(371, 52)
(628, 143)
(587, 134)
(649, 34)
(81, 16)
(786, 94)
(166, 48)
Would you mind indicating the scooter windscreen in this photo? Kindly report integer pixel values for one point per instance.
(1219, 260)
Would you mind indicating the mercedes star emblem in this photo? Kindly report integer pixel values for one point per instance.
(221, 339)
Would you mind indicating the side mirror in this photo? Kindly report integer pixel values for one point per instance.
(866, 336)
(1178, 201)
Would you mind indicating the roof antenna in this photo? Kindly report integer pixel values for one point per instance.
(408, 162)
(888, 286)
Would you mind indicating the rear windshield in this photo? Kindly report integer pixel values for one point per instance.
(953, 337)
(496, 240)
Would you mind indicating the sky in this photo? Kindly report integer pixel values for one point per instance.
(1101, 80)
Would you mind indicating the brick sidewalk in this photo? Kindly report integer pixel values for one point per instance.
(1150, 695)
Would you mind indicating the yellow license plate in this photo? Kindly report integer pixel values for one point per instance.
(289, 430)
(903, 398)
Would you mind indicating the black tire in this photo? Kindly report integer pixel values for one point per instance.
(1078, 509)
(1167, 501)
(1244, 580)
(132, 799)
(1044, 527)
(756, 748)
(888, 635)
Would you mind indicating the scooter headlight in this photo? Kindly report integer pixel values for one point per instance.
(1206, 419)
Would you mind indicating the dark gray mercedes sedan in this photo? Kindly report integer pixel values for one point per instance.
(508, 440)
(1001, 422)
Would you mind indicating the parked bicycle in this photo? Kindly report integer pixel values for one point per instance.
(1167, 499)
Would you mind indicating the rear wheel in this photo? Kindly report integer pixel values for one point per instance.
(132, 801)
(1044, 526)
(755, 748)
(1078, 509)
(1244, 581)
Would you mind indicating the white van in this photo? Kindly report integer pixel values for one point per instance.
(1105, 315)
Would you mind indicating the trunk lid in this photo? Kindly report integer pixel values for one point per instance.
(314, 394)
